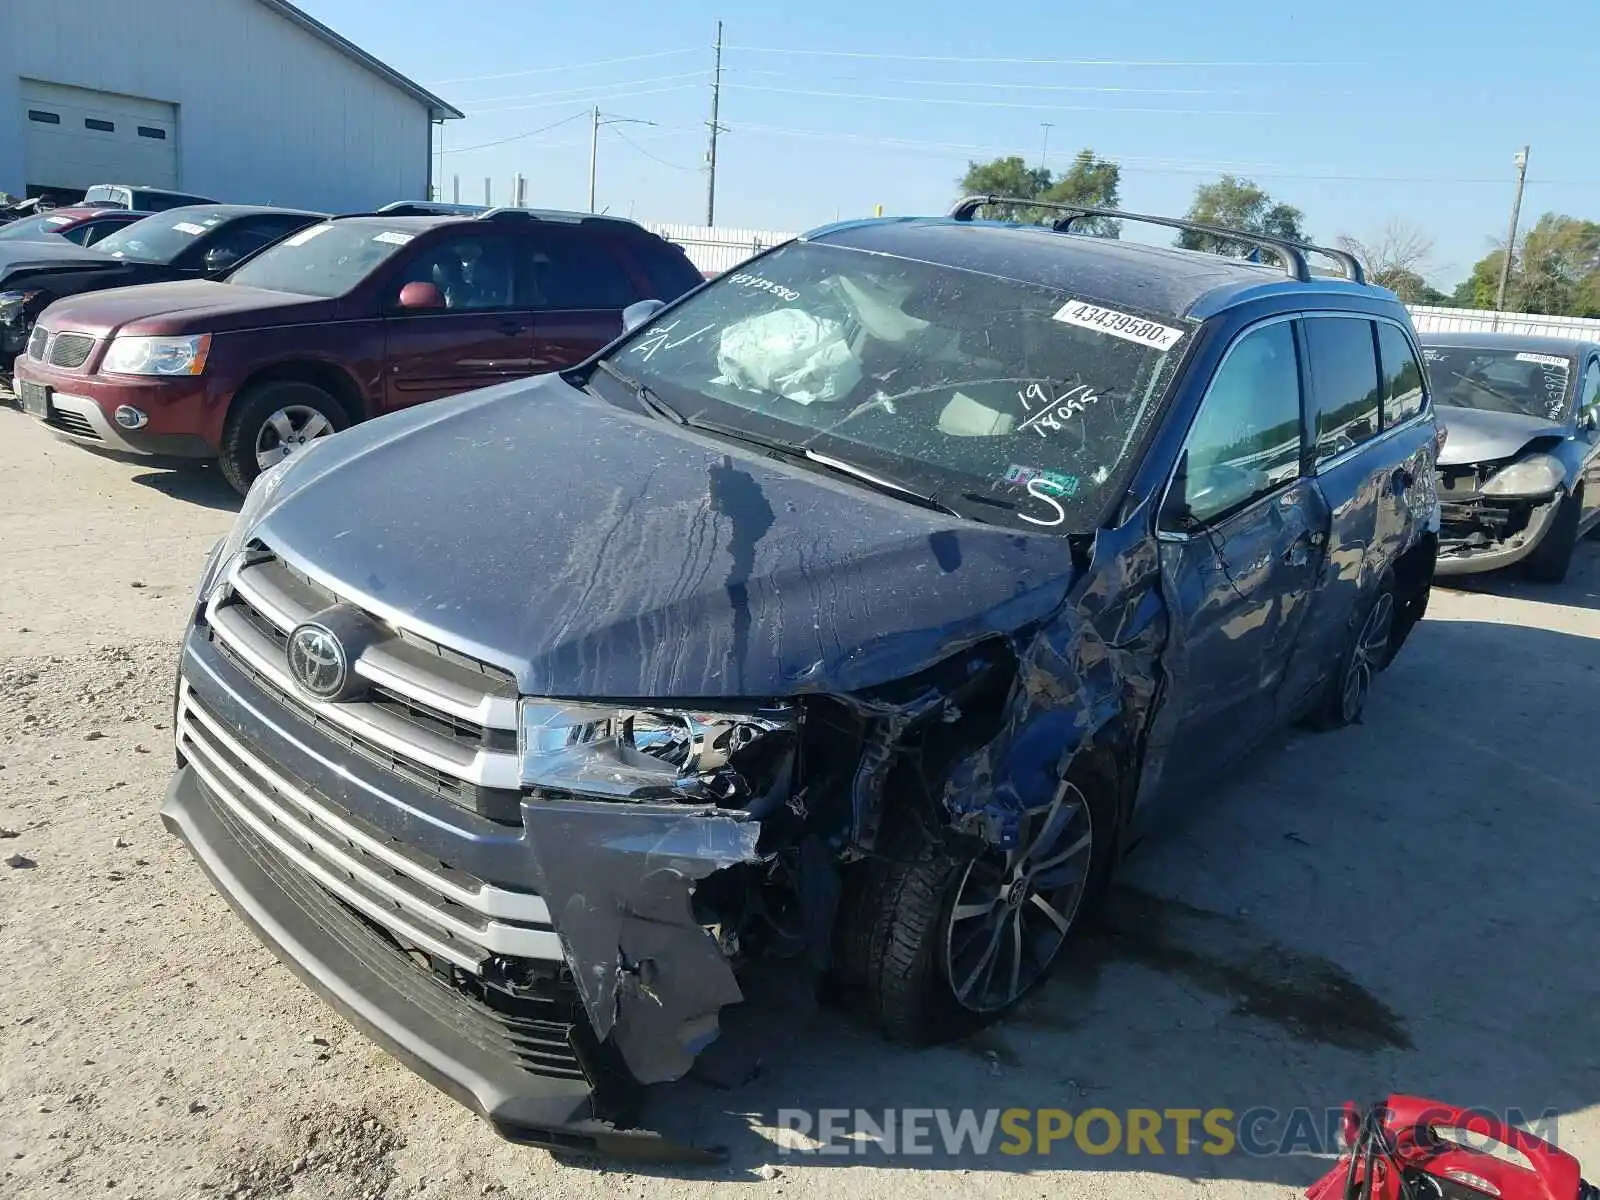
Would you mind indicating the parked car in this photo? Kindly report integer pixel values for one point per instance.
(144, 199)
(866, 603)
(1519, 474)
(344, 320)
(82, 224)
(183, 243)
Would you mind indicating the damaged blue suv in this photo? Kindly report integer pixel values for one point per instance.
(862, 606)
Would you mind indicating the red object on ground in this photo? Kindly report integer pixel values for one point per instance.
(1401, 1149)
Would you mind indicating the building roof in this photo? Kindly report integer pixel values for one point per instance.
(438, 110)
(1151, 279)
(1532, 343)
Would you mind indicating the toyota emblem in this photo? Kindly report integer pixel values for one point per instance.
(318, 661)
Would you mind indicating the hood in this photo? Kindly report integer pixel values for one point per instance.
(594, 552)
(25, 254)
(189, 306)
(1476, 435)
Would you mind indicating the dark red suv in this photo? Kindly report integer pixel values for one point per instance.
(345, 320)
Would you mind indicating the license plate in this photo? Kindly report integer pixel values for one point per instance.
(35, 399)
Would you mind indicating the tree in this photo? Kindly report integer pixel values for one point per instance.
(1094, 182)
(1395, 259)
(1555, 271)
(1091, 181)
(1239, 204)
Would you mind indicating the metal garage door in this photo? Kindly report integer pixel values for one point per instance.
(75, 138)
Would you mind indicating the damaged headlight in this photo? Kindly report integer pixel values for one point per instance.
(1536, 475)
(651, 753)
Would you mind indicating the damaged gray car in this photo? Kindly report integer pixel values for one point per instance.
(1519, 472)
(863, 606)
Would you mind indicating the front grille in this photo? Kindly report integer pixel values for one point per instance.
(539, 1034)
(37, 341)
(438, 909)
(70, 350)
(74, 423)
(435, 717)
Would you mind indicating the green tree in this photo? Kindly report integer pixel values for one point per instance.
(1239, 204)
(1556, 271)
(1094, 182)
(1091, 181)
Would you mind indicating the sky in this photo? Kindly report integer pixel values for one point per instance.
(1361, 113)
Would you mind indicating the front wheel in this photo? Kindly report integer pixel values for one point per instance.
(932, 945)
(1552, 557)
(272, 422)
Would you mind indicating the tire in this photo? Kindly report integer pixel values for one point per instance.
(258, 421)
(900, 928)
(1366, 652)
(1553, 555)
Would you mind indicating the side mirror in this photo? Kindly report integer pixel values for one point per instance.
(219, 259)
(637, 313)
(421, 296)
(1589, 420)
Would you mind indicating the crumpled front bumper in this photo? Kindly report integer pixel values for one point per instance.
(463, 1049)
(1481, 534)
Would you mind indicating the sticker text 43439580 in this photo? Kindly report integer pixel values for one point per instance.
(1118, 324)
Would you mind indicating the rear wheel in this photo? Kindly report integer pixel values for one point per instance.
(1553, 555)
(272, 422)
(933, 945)
(1344, 697)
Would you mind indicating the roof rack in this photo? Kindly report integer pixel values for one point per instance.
(1292, 254)
(557, 216)
(429, 208)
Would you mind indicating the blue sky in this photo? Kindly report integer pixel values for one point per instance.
(1359, 112)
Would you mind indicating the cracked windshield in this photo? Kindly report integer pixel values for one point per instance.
(1005, 401)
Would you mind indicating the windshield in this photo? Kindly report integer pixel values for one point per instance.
(324, 260)
(34, 227)
(159, 239)
(1009, 402)
(1506, 381)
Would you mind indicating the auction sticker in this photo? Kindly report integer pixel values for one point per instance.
(306, 234)
(1544, 360)
(1118, 324)
(190, 228)
(393, 238)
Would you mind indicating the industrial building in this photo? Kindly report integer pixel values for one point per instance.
(241, 100)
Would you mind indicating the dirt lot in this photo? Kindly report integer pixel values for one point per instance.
(1410, 905)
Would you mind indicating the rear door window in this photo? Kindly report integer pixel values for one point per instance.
(1346, 397)
(577, 271)
(1402, 376)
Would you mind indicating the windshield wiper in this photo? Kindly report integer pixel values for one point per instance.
(648, 400)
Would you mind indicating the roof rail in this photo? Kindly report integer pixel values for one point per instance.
(558, 216)
(429, 208)
(1292, 254)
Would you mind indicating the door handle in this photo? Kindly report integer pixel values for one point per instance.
(1298, 552)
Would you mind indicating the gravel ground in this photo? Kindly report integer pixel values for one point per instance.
(1407, 905)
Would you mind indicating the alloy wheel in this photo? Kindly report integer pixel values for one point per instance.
(1012, 913)
(290, 429)
(1370, 647)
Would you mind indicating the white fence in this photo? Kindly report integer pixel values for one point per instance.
(1450, 320)
(719, 249)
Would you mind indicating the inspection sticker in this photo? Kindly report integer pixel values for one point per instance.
(1544, 360)
(190, 228)
(390, 237)
(1118, 324)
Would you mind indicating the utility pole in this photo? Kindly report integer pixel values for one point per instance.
(1044, 151)
(711, 153)
(1511, 237)
(456, 189)
(594, 150)
(488, 192)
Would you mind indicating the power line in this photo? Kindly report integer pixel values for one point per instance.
(654, 158)
(1003, 86)
(1171, 112)
(586, 88)
(1042, 62)
(517, 137)
(604, 62)
(592, 98)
